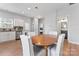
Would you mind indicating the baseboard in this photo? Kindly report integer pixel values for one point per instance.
(73, 42)
(7, 41)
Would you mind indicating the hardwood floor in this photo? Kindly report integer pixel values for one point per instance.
(13, 48)
(71, 49)
(66, 48)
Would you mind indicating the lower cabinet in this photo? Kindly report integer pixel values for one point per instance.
(7, 36)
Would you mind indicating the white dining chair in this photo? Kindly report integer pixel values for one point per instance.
(57, 49)
(25, 45)
(28, 49)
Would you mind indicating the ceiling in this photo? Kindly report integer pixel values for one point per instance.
(37, 9)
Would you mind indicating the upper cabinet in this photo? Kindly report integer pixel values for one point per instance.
(10, 22)
(27, 26)
(6, 23)
(18, 22)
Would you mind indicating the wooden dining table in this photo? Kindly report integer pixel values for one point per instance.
(44, 40)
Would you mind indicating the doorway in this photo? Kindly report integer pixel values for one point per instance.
(62, 25)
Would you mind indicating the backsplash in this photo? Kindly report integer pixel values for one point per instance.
(6, 29)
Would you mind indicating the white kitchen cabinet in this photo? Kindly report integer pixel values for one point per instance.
(27, 27)
(11, 35)
(6, 23)
(18, 22)
(7, 36)
(3, 36)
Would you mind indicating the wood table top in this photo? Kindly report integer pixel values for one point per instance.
(43, 40)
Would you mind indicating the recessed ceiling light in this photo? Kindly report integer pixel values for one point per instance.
(23, 12)
(29, 8)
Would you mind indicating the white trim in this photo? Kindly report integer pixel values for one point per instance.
(73, 42)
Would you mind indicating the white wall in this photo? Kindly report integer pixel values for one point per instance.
(50, 22)
(73, 21)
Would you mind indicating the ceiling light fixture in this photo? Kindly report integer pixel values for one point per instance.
(36, 7)
(29, 8)
(23, 12)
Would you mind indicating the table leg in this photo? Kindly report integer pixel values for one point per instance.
(46, 49)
